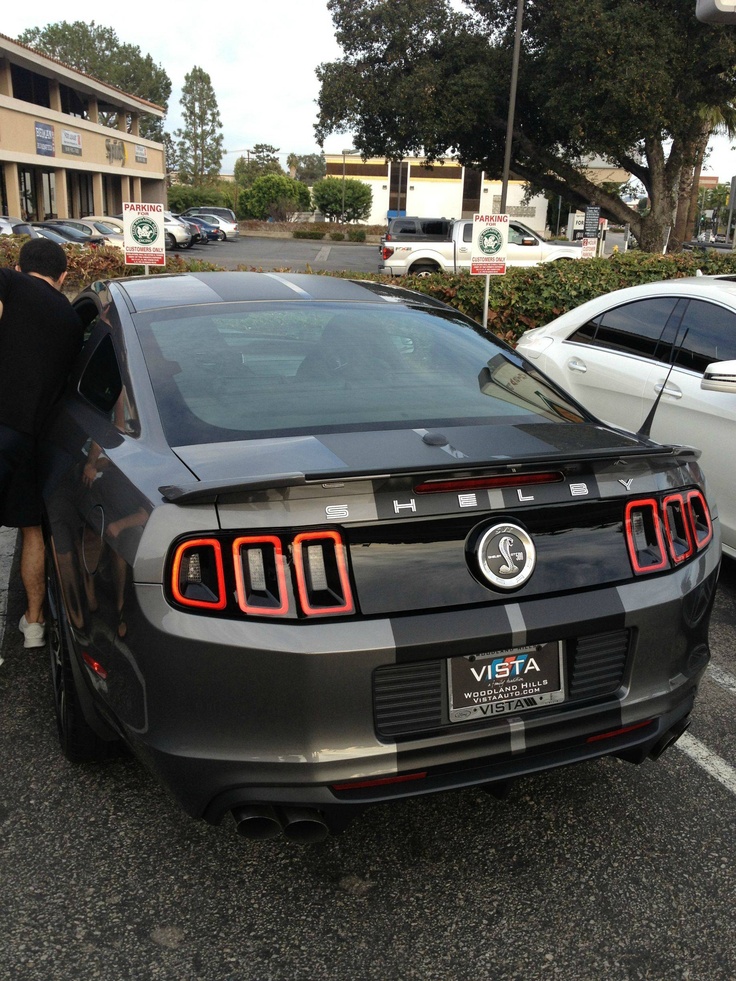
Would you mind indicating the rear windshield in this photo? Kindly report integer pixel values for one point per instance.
(248, 370)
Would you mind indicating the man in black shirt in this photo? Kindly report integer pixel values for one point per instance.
(40, 335)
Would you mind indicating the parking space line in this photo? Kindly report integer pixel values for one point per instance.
(712, 764)
(721, 677)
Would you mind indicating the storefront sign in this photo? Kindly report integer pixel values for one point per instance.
(116, 152)
(141, 155)
(71, 142)
(45, 140)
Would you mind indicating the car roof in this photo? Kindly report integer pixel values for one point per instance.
(719, 288)
(162, 291)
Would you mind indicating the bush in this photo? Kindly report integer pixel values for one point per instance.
(356, 235)
(304, 233)
(337, 236)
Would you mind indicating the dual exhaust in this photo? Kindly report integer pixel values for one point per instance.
(260, 822)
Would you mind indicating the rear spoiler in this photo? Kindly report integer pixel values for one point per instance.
(209, 491)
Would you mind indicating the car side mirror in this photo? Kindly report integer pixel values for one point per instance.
(719, 377)
(528, 241)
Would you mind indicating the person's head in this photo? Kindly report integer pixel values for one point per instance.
(43, 258)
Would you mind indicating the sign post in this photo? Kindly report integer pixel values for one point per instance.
(144, 238)
(488, 251)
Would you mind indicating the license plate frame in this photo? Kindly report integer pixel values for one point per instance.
(504, 682)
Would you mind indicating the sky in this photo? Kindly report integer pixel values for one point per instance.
(261, 56)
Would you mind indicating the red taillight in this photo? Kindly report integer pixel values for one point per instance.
(322, 573)
(644, 536)
(678, 528)
(197, 575)
(386, 252)
(260, 575)
(673, 530)
(618, 732)
(700, 518)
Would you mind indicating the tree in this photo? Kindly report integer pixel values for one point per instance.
(261, 160)
(309, 167)
(97, 51)
(339, 200)
(624, 80)
(275, 196)
(199, 149)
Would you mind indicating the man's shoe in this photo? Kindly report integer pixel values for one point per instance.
(34, 633)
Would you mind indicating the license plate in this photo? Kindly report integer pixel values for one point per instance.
(501, 682)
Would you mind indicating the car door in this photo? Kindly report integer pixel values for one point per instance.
(524, 248)
(606, 362)
(687, 414)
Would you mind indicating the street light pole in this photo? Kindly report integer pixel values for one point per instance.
(512, 106)
(350, 149)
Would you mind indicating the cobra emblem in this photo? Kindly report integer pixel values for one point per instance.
(504, 547)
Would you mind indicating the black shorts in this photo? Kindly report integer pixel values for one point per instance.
(20, 499)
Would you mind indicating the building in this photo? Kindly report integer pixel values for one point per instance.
(57, 158)
(446, 189)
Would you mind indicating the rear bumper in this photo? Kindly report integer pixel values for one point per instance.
(227, 712)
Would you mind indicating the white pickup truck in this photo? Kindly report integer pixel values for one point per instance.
(525, 248)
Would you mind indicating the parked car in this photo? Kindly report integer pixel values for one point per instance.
(202, 231)
(93, 239)
(115, 223)
(425, 258)
(621, 353)
(92, 226)
(14, 226)
(226, 229)
(317, 544)
(227, 213)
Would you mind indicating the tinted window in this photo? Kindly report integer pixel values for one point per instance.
(101, 382)
(254, 369)
(642, 328)
(711, 336)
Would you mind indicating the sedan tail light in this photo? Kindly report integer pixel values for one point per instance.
(270, 575)
(670, 530)
(197, 575)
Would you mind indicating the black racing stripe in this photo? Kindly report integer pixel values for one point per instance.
(565, 616)
(452, 633)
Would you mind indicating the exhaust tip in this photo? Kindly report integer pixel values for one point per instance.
(303, 825)
(669, 738)
(257, 822)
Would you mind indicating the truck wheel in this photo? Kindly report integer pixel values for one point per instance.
(423, 270)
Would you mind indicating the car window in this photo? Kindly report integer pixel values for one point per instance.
(643, 327)
(101, 382)
(249, 370)
(711, 336)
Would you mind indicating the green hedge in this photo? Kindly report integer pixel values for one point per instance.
(301, 233)
(531, 297)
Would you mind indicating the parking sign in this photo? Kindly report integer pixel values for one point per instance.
(144, 237)
(490, 244)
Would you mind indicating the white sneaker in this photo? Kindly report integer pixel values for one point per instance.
(34, 633)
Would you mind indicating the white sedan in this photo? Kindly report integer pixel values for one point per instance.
(618, 352)
(227, 229)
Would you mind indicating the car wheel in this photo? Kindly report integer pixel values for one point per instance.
(190, 243)
(223, 236)
(423, 271)
(78, 740)
(170, 241)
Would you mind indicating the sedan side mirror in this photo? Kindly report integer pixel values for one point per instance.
(719, 377)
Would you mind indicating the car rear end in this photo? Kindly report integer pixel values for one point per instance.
(328, 616)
